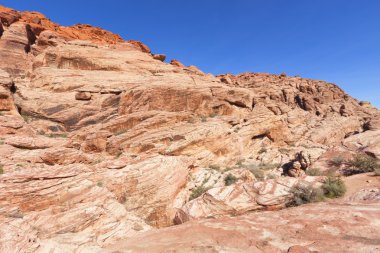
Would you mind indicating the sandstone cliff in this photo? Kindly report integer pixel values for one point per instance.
(101, 140)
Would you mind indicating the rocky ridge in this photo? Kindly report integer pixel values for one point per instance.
(102, 143)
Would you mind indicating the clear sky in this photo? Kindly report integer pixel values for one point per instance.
(333, 40)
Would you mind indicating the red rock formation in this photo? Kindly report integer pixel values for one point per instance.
(100, 141)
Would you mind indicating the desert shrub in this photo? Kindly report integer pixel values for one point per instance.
(334, 187)
(214, 167)
(203, 119)
(314, 172)
(259, 174)
(121, 131)
(41, 132)
(118, 154)
(303, 194)
(62, 135)
(198, 191)
(230, 179)
(16, 215)
(362, 163)
(271, 176)
(336, 161)
(262, 150)
(206, 179)
(228, 169)
(99, 184)
(268, 166)
(191, 121)
(26, 118)
(240, 163)
(259, 170)
(1, 169)
(284, 150)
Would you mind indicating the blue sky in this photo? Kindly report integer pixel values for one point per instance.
(333, 40)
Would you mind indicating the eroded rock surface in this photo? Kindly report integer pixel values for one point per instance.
(101, 141)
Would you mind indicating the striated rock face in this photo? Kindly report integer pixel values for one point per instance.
(332, 227)
(101, 141)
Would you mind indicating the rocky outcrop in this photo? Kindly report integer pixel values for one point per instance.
(330, 227)
(101, 140)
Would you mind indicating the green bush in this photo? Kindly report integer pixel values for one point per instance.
(262, 150)
(362, 163)
(336, 161)
(214, 167)
(314, 172)
(230, 179)
(259, 174)
(303, 194)
(268, 166)
(334, 187)
(1, 169)
(120, 131)
(240, 163)
(198, 191)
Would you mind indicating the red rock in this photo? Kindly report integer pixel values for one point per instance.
(139, 45)
(159, 57)
(177, 63)
(298, 249)
(101, 141)
(83, 96)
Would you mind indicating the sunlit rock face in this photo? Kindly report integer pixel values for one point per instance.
(104, 145)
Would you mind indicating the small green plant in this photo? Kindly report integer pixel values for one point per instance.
(97, 161)
(214, 167)
(99, 184)
(334, 187)
(262, 150)
(314, 172)
(198, 191)
(1, 169)
(259, 174)
(63, 135)
(284, 150)
(16, 215)
(240, 163)
(228, 169)
(271, 176)
(26, 118)
(1, 141)
(336, 161)
(205, 180)
(118, 154)
(121, 131)
(362, 163)
(41, 132)
(268, 166)
(191, 121)
(230, 179)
